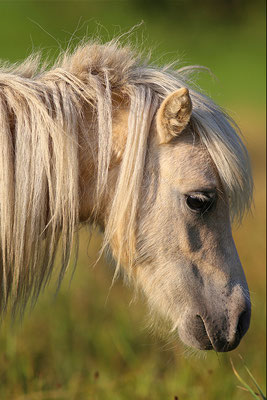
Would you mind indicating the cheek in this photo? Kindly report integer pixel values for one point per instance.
(158, 233)
(163, 286)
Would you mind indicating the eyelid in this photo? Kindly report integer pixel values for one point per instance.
(204, 194)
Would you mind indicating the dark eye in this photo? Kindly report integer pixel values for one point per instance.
(200, 203)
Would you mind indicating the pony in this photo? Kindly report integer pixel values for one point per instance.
(105, 137)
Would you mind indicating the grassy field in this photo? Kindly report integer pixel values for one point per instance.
(90, 342)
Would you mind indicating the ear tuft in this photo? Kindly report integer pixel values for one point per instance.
(173, 115)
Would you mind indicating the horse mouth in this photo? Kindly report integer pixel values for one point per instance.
(194, 333)
(197, 333)
(217, 341)
(205, 342)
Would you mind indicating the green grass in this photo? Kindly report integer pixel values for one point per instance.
(247, 387)
(90, 343)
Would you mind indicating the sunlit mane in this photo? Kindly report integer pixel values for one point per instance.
(41, 120)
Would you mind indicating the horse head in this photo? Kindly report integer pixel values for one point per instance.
(185, 259)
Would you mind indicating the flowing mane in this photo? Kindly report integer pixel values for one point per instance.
(42, 127)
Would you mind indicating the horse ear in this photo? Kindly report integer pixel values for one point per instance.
(173, 115)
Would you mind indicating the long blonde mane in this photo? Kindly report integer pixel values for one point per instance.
(41, 120)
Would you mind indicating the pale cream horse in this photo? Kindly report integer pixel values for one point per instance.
(105, 137)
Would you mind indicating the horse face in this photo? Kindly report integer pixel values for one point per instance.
(188, 265)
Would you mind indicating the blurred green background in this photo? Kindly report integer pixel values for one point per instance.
(89, 342)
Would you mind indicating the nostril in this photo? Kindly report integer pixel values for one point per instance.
(239, 328)
(243, 323)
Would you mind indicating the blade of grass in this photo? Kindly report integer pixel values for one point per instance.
(245, 390)
(253, 379)
(243, 382)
